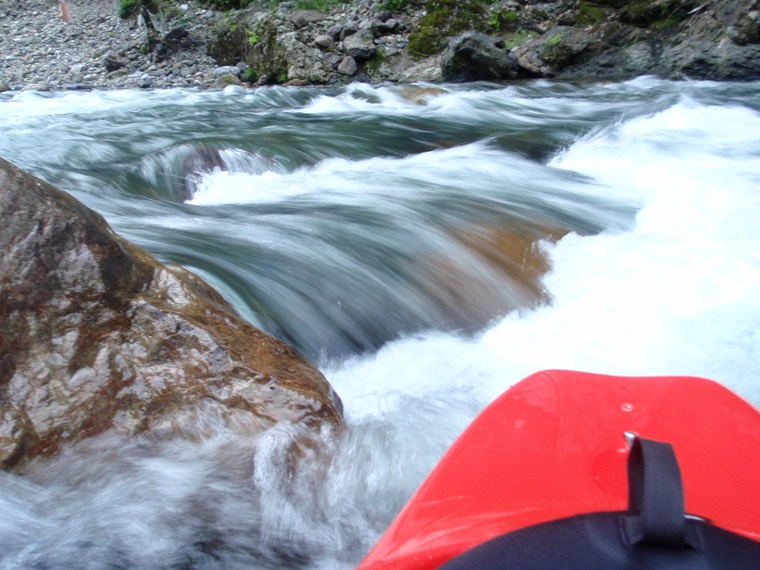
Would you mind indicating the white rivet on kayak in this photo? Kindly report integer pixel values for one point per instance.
(627, 407)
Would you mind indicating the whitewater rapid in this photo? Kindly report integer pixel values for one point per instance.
(659, 180)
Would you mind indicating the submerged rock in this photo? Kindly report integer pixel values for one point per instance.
(97, 336)
(199, 159)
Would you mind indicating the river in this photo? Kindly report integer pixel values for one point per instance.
(426, 247)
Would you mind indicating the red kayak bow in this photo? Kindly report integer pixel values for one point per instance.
(554, 446)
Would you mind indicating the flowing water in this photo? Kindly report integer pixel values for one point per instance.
(397, 237)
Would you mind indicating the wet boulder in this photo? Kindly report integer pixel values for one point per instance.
(552, 52)
(98, 336)
(429, 70)
(198, 160)
(476, 57)
(361, 45)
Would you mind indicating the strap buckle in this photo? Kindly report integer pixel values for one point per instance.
(656, 514)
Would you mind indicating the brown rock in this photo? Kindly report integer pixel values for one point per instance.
(97, 335)
(514, 251)
(419, 95)
(503, 273)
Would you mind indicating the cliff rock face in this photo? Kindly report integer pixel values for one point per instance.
(97, 335)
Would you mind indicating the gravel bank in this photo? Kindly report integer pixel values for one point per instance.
(96, 48)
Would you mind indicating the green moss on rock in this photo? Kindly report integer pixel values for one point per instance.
(647, 13)
(249, 75)
(267, 56)
(665, 24)
(503, 19)
(375, 62)
(518, 38)
(229, 79)
(253, 42)
(562, 45)
(228, 48)
(444, 19)
(590, 13)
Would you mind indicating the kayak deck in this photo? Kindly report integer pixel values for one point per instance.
(554, 446)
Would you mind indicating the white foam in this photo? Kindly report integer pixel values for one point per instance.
(677, 294)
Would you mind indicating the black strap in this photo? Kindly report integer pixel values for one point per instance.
(656, 498)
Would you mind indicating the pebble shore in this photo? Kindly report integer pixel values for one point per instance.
(96, 49)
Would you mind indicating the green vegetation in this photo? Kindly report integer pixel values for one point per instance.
(560, 47)
(231, 38)
(519, 38)
(590, 13)
(503, 19)
(395, 5)
(126, 7)
(665, 24)
(658, 14)
(129, 8)
(225, 4)
(249, 75)
(446, 18)
(169, 8)
(229, 79)
(374, 63)
(555, 40)
(319, 5)
(256, 44)
(555, 51)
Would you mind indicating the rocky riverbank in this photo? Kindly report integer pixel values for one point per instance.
(192, 45)
(96, 48)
